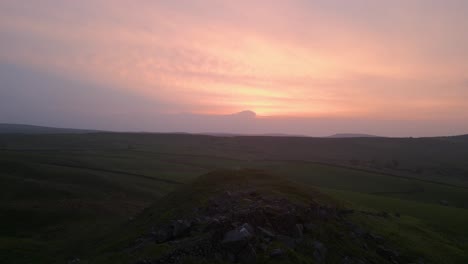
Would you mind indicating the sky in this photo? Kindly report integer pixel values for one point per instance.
(392, 68)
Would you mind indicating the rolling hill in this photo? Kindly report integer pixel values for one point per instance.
(352, 135)
(89, 196)
(30, 129)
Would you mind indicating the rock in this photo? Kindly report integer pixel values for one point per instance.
(247, 255)
(266, 232)
(322, 213)
(298, 231)
(345, 211)
(444, 202)
(387, 253)
(213, 223)
(277, 253)
(239, 229)
(310, 227)
(230, 257)
(420, 261)
(248, 227)
(375, 238)
(143, 261)
(286, 224)
(253, 194)
(272, 210)
(384, 214)
(162, 235)
(351, 260)
(287, 241)
(263, 246)
(237, 236)
(358, 232)
(180, 228)
(320, 251)
(74, 261)
(228, 194)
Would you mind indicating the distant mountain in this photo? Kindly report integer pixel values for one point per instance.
(249, 135)
(459, 138)
(30, 129)
(245, 114)
(351, 135)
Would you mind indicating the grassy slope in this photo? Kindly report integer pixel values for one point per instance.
(439, 232)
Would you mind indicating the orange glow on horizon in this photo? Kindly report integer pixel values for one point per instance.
(244, 56)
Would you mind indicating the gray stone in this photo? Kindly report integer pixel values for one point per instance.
(287, 241)
(266, 232)
(237, 235)
(247, 255)
(162, 235)
(180, 228)
(387, 253)
(444, 202)
(248, 227)
(74, 261)
(320, 251)
(298, 231)
(310, 227)
(276, 253)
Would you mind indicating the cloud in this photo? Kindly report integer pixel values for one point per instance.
(358, 59)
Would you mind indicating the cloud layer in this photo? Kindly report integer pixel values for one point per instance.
(366, 60)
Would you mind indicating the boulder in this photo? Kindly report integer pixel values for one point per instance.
(272, 210)
(375, 238)
(351, 260)
(345, 211)
(287, 241)
(387, 253)
(444, 202)
(237, 237)
(298, 231)
(265, 232)
(247, 255)
(358, 232)
(320, 251)
(162, 235)
(74, 261)
(310, 227)
(277, 253)
(248, 227)
(180, 228)
(253, 193)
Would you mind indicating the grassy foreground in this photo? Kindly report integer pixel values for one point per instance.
(62, 193)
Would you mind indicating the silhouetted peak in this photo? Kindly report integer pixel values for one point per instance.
(246, 114)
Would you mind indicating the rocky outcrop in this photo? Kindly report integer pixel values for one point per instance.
(239, 227)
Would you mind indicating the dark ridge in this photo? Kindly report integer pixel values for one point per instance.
(32, 129)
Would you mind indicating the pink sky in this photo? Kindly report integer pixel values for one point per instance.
(343, 60)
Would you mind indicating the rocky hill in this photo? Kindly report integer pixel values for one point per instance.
(247, 216)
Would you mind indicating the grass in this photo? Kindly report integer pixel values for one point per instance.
(59, 192)
(436, 231)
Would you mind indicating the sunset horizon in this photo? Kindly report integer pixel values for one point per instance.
(374, 62)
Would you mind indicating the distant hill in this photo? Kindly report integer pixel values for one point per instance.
(30, 129)
(458, 139)
(247, 135)
(351, 135)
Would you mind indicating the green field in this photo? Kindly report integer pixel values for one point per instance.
(63, 194)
